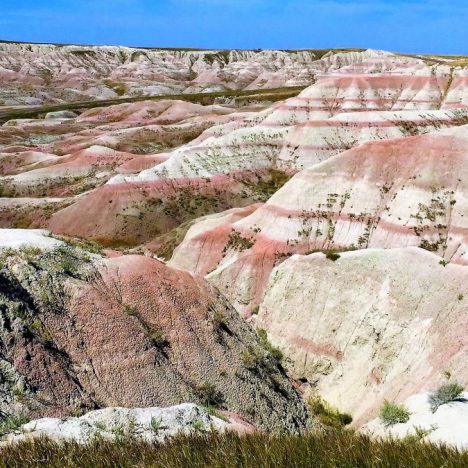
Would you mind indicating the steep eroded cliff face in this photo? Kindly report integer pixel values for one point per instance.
(371, 325)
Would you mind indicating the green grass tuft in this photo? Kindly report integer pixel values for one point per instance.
(11, 424)
(392, 413)
(327, 415)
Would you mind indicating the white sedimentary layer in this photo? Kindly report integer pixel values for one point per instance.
(149, 424)
(17, 238)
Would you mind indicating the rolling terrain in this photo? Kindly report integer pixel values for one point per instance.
(245, 230)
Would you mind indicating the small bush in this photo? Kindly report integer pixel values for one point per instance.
(131, 310)
(101, 426)
(158, 338)
(219, 320)
(275, 352)
(325, 414)
(333, 256)
(30, 253)
(155, 424)
(67, 260)
(212, 411)
(12, 424)
(89, 246)
(238, 242)
(209, 395)
(252, 359)
(392, 413)
(198, 425)
(445, 394)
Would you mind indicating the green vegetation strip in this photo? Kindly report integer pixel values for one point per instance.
(19, 112)
(319, 449)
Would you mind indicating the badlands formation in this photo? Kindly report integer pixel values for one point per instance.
(250, 252)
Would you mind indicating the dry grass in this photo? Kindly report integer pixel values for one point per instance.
(332, 449)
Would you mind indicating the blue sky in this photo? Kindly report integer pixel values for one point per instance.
(432, 26)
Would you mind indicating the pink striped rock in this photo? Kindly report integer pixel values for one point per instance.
(395, 193)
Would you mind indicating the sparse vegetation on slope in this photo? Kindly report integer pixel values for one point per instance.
(186, 341)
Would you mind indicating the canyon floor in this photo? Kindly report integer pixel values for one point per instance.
(252, 241)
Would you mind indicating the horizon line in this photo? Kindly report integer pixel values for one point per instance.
(204, 49)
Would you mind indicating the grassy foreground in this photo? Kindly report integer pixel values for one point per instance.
(332, 449)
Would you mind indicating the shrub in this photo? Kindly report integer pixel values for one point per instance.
(198, 425)
(219, 320)
(89, 246)
(326, 414)
(445, 394)
(118, 431)
(238, 242)
(216, 413)
(67, 260)
(252, 358)
(209, 395)
(131, 310)
(12, 424)
(155, 424)
(30, 252)
(275, 352)
(100, 425)
(158, 338)
(392, 413)
(333, 256)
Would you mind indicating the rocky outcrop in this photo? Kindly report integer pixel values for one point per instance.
(148, 424)
(27, 238)
(81, 332)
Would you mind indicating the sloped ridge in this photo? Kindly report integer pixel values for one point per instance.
(397, 96)
(135, 213)
(79, 333)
